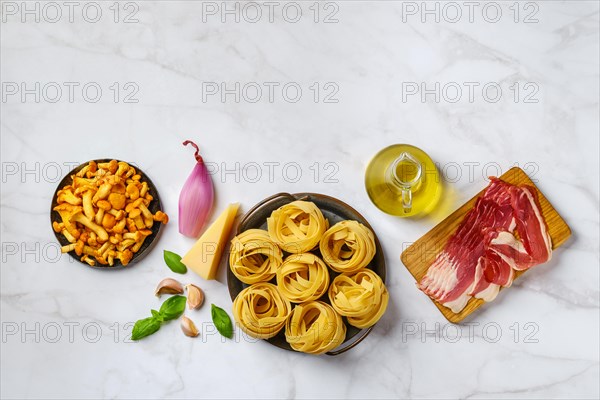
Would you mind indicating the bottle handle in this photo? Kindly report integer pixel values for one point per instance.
(406, 199)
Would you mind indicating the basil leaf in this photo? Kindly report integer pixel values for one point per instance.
(145, 327)
(222, 321)
(174, 262)
(157, 315)
(173, 307)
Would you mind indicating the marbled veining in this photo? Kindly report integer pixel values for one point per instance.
(368, 53)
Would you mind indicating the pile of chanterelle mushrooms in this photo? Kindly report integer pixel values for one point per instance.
(105, 213)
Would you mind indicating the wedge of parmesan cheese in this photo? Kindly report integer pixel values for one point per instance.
(204, 257)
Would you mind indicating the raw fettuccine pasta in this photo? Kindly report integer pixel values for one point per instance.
(297, 227)
(260, 310)
(254, 257)
(348, 247)
(314, 327)
(362, 297)
(303, 277)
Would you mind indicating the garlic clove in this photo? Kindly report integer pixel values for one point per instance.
(188, 327)
(168, 286)
(195, 296)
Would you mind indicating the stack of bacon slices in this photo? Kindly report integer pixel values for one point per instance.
(504, 232)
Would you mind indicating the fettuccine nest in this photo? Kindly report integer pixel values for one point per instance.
(260, 310)
(297, 227)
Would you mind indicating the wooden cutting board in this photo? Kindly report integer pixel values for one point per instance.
(418, 257)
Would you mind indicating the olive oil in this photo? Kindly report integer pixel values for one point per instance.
(402, 180)
(406, 170)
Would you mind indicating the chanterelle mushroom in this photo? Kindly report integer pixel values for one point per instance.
(83, 220)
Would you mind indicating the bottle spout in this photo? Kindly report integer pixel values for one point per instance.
(406, 172)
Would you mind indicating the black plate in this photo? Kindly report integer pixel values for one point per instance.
(335, 211)
(155, 205)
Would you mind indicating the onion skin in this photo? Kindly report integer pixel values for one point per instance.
(196, 198)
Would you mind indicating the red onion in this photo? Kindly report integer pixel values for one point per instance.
(196, 198)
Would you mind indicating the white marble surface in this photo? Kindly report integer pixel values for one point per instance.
(373, 51)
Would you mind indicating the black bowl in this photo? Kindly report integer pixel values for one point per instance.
(335, 211)
(155, 205)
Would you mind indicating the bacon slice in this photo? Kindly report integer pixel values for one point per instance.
(483, 253)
